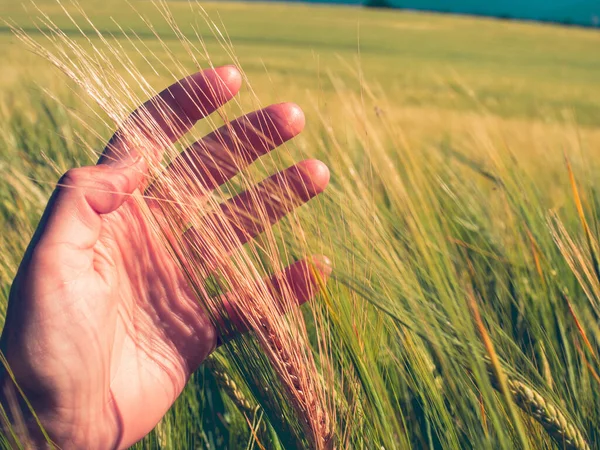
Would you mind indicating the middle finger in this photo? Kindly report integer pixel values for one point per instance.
(220, 155)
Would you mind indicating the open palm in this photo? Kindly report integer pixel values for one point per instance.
(103, 331)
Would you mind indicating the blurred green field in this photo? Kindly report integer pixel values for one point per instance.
(447, 139)
(516, 70)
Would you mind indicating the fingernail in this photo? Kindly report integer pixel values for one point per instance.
(322, 264)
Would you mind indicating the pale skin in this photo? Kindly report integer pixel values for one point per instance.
(102, 331)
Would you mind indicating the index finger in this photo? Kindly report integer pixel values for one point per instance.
(169, 115)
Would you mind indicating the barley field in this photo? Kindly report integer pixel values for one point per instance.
(462, 219)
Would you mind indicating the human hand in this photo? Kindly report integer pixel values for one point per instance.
(102, 330)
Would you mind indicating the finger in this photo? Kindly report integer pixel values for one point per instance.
(248, 214)
(169, 115)
(222, 154)
(297, 284)
(74, 213)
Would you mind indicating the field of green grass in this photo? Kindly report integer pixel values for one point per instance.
(421, 60)
(465, 158)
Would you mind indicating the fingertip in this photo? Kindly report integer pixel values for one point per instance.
(110, 186)
(286, 118)
(323, 264)
(231, 77)
(203, 92)
(294, 117)
(315, 174)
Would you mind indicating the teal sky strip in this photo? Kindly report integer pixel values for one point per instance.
(581, 12)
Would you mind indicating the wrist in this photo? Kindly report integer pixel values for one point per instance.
(17, 421)
(29, 422)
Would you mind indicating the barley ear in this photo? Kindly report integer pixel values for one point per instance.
(555, 423)
(230, 388)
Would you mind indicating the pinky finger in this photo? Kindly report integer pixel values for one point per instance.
(295, 285)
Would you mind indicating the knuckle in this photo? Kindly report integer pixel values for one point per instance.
(119, 182)
(106, 186)
(70, 175)
(95, 178)
(74, 177)
(113, 183)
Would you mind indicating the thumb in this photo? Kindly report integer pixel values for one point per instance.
(73, 215)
